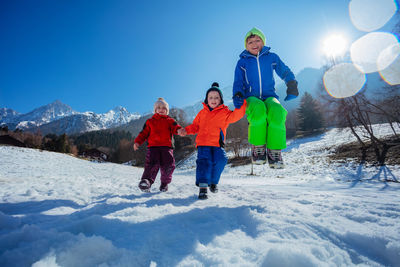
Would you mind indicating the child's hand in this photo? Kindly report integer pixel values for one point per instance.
(136, 146)
(292, 92)
(238, 100)
(182, 132)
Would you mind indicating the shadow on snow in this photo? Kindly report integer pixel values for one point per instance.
(166, 240)
(384, 175)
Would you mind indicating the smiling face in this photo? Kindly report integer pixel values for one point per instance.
(213, 99)
(161, 109)
(254, 44)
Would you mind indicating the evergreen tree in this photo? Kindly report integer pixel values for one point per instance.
(309, 113)
(62, 144)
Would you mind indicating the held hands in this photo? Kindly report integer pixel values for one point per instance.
(136, 146)
(238, 100)
(291, 91)
(182, 132)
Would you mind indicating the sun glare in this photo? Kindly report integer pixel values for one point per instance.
(334, 45)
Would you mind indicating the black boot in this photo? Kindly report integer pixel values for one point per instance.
(258, 154)
(275, 159)
(214, 188)
(203, 193)
(163, 187)
(144, 185)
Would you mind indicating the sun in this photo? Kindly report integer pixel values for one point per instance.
(334, 45)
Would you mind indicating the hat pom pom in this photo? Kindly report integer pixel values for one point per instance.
(215, 84)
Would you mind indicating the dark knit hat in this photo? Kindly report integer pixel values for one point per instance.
(215, 88)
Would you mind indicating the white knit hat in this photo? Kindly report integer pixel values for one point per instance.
(161, 101)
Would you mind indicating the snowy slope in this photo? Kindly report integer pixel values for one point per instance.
(57, 210)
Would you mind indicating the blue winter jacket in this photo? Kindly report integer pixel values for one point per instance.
(254, 74)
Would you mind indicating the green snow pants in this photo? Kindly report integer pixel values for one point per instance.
(266, 122)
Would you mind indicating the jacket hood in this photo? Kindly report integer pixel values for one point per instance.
(245, 53)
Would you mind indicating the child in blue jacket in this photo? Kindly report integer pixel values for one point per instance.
(254, 81)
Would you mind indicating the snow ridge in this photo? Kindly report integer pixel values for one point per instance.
(58, 210)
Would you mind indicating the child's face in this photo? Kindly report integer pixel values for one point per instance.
(254, 45)
(161, 109)
(214, 100)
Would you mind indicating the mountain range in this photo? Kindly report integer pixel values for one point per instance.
(59, 118)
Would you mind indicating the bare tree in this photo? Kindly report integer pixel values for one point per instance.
(237, 138)
(357, 113)
(124, 152)
(291, 123)
(32, 140)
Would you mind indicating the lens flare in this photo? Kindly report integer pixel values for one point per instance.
(365, 51)
(370, 15)
(334, 45)
(343, 80)
(389, 63)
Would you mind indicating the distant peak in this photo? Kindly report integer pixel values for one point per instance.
(119, 108)
(56, 105)
(57, 102)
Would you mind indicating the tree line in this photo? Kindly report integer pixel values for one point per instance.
(312, 115)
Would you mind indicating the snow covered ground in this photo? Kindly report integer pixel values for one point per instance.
(57, 210)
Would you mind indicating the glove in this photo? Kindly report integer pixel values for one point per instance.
(238, 100)
(291, 92)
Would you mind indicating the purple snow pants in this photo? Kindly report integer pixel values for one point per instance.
(160, 157)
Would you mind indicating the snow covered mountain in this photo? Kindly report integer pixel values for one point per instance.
(60, 118)
(36, 117)
(89, 121)
(8, 115)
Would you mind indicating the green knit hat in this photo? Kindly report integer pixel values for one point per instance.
(254, 31)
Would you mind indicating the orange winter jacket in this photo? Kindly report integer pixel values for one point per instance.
(210, 125)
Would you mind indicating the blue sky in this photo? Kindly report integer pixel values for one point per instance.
(95, 55)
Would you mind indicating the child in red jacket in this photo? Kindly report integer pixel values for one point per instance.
(158, 131)
(210, 126)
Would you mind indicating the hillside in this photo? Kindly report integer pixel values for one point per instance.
(57, 210)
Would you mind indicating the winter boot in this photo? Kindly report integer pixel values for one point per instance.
(214, 188)
(275, 159)
(163, 187)
(203, 191)
(258, 154)
(144, 185)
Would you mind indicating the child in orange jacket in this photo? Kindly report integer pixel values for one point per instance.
(210, 126)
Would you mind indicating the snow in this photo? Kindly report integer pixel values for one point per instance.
(57, 210)
(59, 112)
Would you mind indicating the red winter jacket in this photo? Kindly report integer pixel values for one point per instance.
(158, 131)
(211, 125)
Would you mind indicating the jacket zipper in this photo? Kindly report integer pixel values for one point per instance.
(245, 76)
(259, 73)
